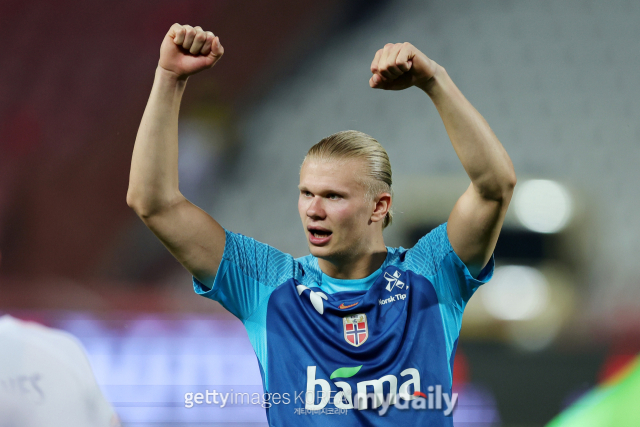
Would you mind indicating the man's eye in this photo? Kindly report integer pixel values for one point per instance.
(307, 194)
(334, 196)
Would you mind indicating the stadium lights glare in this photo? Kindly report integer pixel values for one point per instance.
(516, 293)
(543, 206)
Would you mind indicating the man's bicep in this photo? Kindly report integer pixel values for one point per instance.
(474, 226)
(192, 236)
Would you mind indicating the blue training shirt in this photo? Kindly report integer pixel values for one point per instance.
(373, 351)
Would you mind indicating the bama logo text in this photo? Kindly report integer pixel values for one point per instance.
(371, 391)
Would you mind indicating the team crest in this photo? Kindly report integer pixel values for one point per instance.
(356, 330)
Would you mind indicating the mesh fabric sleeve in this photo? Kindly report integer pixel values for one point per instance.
(248, 273)
(434, 258)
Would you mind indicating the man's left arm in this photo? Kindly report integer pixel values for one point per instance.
(477, 217)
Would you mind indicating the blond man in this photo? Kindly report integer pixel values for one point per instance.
(356, 333)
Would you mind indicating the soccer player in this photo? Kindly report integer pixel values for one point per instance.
(356, 333)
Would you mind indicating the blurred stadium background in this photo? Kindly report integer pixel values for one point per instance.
(557, 81)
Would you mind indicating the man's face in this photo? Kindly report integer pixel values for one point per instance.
(334, 208)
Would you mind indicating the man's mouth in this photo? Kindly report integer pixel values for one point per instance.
(319, 236)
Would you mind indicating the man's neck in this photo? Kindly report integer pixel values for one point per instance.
(354, 268)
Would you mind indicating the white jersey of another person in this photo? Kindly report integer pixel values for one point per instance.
(46, 379)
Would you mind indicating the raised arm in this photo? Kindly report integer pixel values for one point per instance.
(191, 235)
(477, 217)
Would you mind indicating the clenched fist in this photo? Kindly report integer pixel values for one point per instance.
(187, 50)
(399, 66)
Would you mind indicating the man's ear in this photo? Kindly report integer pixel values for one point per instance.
(382, 206)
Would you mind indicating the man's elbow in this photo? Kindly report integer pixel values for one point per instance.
(133, 200)
(510, 183)
(499, 189)
(147, 205)
(141, 206)
(507, 185)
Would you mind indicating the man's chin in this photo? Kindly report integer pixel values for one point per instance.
(320, 251)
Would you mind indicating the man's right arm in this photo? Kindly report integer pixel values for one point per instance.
(194, 238)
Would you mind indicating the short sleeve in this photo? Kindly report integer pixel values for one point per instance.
(434, 258)
(248, 273)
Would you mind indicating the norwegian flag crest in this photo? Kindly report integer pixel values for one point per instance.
(356, 329)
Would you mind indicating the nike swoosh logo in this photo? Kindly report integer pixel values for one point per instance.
(342, 306)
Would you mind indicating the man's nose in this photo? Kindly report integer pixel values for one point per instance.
(315, 209)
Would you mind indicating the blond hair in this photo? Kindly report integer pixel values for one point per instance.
(351, 144)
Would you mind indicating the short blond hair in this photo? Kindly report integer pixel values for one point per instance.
(351, 144)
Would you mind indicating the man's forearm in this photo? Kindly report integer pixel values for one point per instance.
(153, 181)
(483, 157)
